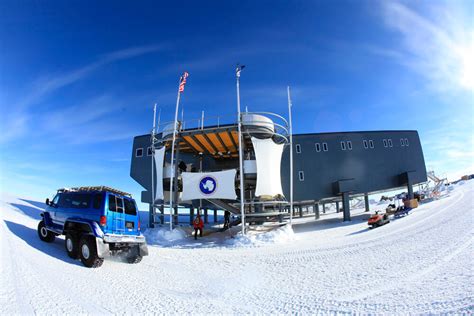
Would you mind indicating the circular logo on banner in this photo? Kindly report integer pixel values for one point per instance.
(208, 185)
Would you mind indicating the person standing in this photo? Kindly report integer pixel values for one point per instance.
(198, 226)
(226, 219)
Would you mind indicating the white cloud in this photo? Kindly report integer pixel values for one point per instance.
(16, 123)
(437, 43)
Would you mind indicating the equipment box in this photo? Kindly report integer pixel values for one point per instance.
(411, 203)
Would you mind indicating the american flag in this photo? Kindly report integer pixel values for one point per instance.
(182, 81)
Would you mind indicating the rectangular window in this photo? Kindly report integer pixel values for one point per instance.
(349, 145)
(402, 142)
(130, 208)
(97, 201)
(385, 143)
(318, 147)
(301, 175)
(112, 204)
(325, 146)
(115, 204)
(343, 145)
(298, 148)
(390, 144)
(366, 144)
(406, 142)
(371, 143)
(149, 151)
(74, 200)
(139, 152)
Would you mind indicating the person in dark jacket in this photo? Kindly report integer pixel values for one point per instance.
(226, 219)
(198, 226)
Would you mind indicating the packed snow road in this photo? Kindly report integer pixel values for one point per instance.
(418, 264)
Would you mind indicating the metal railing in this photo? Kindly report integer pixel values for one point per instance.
(279, 130)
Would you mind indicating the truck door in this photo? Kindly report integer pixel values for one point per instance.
(117, 214)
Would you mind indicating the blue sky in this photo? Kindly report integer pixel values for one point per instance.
(78, 79)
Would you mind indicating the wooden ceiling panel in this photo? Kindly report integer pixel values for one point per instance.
(205, 143)
(195, 145)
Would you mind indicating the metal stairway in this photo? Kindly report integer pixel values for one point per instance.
(225, 206)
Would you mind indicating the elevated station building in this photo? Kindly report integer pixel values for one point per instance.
(326, 167)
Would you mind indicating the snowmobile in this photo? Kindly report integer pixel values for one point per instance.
(377, 220)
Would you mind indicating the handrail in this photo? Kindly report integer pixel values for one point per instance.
(221, 119)
(278, 127)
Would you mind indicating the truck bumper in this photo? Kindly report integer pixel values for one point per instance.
(137, 243)
(124, 239)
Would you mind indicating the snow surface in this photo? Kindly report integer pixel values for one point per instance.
(419, 264)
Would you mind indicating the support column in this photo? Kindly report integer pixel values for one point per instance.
(301, 211)
(162, 214)
(346, 206)
(324, 208)
(175, 188)
(215, 216)
(410, 190)
(205, 216)
(175, 215)
(151, 218)
(366, 200)
(316, 210)
(191, 215)
(337, 207)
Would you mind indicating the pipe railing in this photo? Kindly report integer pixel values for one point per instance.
(278, 127)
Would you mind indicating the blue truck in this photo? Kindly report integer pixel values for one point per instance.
(97, 222)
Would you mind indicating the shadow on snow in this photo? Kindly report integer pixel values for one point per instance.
(30, 236)
(30, 211)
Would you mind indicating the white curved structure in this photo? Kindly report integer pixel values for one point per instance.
(257, 121)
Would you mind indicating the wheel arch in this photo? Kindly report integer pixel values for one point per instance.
(83, 226)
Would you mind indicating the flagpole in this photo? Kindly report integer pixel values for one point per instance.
(152, 215)
(172, 156)
(239, 123)
(291, 154)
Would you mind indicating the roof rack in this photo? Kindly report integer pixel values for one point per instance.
(95, 188)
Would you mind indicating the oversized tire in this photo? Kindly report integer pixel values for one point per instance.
(71, 243)
(44, 234)
(88, 252)
(134, 259)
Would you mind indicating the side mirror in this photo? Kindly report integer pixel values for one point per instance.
(47, 202)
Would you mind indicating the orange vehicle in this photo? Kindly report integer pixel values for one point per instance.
(377, 220)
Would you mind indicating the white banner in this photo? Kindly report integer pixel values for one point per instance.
(209, 185)
(268, 156)
(159, 157)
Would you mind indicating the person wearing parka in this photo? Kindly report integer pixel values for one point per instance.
(198, 226)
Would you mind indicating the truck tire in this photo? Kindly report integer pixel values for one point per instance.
(71, 243)
(134, 259)
(44, 234)
(88, 252)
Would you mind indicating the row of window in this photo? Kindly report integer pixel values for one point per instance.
(347, 145)
(318, 147)
(139, 152)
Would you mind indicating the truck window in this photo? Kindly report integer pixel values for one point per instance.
(115, 204)
(97, 201)
(64, 200)
(74, 200)
(80, 200)
(112, 204)
(56, 199)
(130, 208)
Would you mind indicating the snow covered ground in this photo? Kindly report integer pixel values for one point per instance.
(419, 264)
